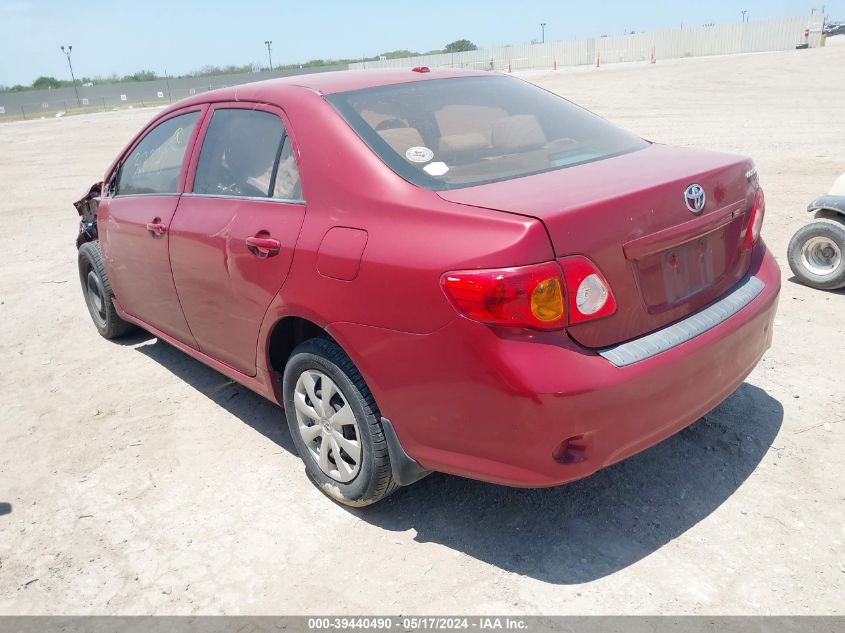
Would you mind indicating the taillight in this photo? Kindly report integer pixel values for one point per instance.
(755, 222)
(525, 296)
(546, 296)
(587, 291)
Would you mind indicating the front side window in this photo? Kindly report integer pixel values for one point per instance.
(458, 132)
(153, 166)
(246, 153)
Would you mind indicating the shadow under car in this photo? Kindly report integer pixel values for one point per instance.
(570, 534)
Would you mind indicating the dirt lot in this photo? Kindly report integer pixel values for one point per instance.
(135, 480)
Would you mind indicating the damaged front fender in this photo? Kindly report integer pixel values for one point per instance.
(87, 207)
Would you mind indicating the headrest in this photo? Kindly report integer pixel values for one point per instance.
(518, 132)
(463, 142)
(401, 138)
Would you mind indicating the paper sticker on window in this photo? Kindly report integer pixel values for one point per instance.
(436, 168)
(419, 154)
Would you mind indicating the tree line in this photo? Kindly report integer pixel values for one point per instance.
(47, 82)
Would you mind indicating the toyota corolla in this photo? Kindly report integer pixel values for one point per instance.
(436, 271)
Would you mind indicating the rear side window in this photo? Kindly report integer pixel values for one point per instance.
(154, 165)
(451, 133)
(286, 186)
(246, 153)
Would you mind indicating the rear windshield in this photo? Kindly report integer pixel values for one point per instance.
(452, 133)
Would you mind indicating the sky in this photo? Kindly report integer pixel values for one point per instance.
(180, 36)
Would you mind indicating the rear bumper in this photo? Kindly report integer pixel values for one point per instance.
(490, 404)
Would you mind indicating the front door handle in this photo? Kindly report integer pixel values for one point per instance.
(263, 247)
(157, 228)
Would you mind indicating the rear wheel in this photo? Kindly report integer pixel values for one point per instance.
(98, 293)
(816, 254)
(336, 425)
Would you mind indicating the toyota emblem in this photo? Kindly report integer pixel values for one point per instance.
(695, 198)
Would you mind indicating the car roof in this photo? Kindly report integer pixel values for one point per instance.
(347, 80)
(323, 83)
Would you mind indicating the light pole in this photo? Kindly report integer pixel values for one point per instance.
(744, 13)
(542, 32)
(269, 43)
(72, 78)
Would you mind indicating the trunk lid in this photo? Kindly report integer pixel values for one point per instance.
(629, 216)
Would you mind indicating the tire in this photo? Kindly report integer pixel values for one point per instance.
(350, 420)
(816, 254)
(98, 293)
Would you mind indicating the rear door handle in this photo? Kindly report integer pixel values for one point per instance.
(263, 247)
(157, 228)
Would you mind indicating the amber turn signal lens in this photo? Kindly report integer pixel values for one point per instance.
(547, 300)
(521, 296)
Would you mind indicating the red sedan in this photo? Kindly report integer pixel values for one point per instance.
(436, 271)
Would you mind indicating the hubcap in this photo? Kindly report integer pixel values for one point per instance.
(821, 256)
(327, 425)
(95, 294)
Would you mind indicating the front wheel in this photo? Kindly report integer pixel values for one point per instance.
(98, 293)
(815, 254)
(336, 425)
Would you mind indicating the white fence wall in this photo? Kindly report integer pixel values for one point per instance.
(722, 39)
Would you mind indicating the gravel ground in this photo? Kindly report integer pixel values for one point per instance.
(135, 480)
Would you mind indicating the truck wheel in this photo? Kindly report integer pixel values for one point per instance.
(336, 425)
(815, 254)
(98, 293)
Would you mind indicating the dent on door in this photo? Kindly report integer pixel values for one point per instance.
(230, 257)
